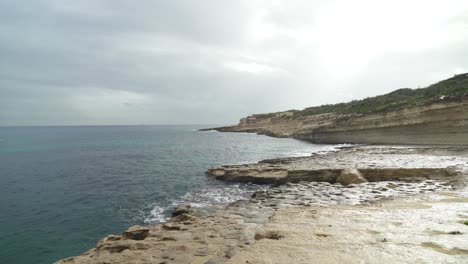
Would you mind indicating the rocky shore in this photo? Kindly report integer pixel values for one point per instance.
(367, 204)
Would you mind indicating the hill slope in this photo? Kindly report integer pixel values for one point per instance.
(402, 98)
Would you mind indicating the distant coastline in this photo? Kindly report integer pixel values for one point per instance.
(435, 115)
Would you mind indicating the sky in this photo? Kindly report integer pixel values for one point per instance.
(124, 62)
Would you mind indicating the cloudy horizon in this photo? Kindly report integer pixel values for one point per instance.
(112, 62)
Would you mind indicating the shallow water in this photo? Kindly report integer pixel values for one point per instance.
(63, 188)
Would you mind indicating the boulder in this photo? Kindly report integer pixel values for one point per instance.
(182, 218)
(351, 176)
(181, 209)
(136, 233)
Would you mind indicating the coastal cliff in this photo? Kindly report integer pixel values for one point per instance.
(436, 115)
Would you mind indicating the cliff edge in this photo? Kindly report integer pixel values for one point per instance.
(436, 115)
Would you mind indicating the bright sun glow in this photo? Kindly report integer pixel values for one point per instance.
(351, 34)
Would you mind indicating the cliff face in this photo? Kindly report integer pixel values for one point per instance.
(442, 123)
(442, 120)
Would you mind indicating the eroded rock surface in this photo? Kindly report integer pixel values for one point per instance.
(342, 222)
(350, 176)
(213, 238)
(371, 163)
(422, 230)
(135, 233)
(221, 236)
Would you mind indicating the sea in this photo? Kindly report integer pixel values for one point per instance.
(64, 188)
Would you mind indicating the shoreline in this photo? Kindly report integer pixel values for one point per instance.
(240, 232)
(369, 163)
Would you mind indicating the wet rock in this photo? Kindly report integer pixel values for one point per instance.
(351, 176)
(136, 233)
(183, 218)
(181, 209)
(112, 238)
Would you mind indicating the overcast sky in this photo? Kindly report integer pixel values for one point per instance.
(89, 62)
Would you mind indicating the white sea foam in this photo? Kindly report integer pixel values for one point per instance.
(219, 194)
(206, 131)
(156, 215)
(222, 193)
(319, 149)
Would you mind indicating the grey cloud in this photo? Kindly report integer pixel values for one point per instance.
(171, 61)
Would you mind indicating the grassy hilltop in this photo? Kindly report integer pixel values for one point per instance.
(402, 98)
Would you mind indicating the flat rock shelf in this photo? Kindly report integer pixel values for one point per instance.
(373, 163)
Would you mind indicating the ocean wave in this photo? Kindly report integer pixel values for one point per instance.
(156, 215)
(221, 193)
(203, 198)
(217, 195)
(324, 149)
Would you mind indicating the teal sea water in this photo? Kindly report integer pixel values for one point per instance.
(64, 188)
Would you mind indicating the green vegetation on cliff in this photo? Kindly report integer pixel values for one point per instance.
(454, 87)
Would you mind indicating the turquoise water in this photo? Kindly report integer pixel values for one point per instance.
(64, 188)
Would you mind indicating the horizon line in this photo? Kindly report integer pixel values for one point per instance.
(1, 126)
